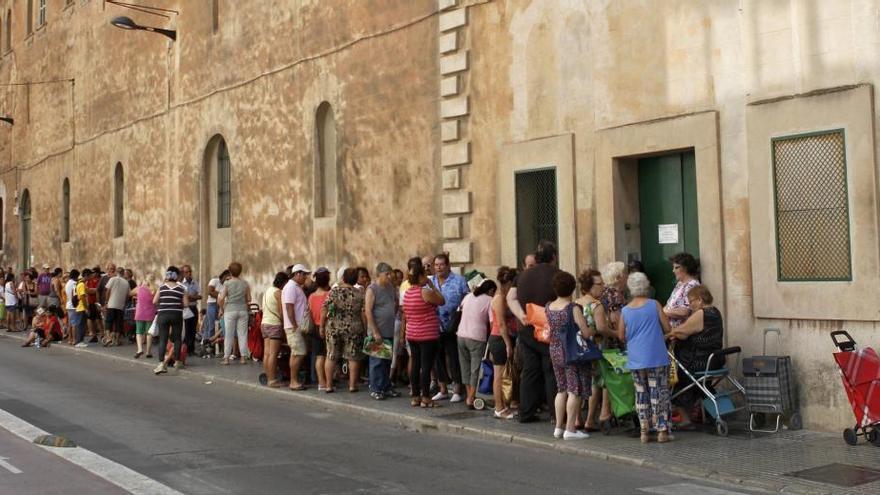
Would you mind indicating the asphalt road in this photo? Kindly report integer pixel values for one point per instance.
(203, 438)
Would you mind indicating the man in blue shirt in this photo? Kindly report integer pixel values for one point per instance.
(454, 287)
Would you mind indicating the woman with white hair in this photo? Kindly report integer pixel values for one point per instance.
(643, 326)
(612, 298)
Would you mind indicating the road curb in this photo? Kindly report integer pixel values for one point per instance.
(421, 424)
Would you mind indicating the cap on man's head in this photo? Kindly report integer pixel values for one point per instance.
(300, 268)
(46, 266)
(86, 272)
(322, 269)
(383, 268)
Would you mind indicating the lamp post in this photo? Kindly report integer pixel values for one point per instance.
(124, 22)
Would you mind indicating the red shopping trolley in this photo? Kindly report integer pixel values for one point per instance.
(860, 368)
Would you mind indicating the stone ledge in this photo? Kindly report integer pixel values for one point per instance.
(457, 62)
(456, 202)
(452, 19)
(454, 107)
(455, 154)
(450, 130)
(452, 178)
(449, 86)
(449, 42)
(460, 252)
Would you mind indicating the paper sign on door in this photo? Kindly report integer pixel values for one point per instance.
(667, 233)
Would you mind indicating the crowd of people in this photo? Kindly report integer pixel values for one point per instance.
(428, 328)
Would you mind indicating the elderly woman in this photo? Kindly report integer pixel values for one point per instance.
(572, 380)
(344, 326)
(696, 339)
(234, 299)
(592, 288)
(420, 325)
(612, 297)
(169, 300)
(642, 326)
(473, 332)
(687, 271)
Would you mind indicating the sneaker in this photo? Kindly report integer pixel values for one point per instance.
(440, 396)
(507, 414)
(392, 393)
(575, 435)
(160, 369)
(377, 395)
(178, 365)
(558, 432)
(82, 345)
(456, 398)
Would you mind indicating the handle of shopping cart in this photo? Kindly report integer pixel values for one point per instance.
(778, 337)
(721, 356)
(845, 344)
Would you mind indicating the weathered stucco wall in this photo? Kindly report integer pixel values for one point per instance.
(257, 81)
(542, 69)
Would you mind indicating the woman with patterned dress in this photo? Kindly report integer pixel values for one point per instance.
(592, 288)
(572, 380)
(344, 326)
(687, 272)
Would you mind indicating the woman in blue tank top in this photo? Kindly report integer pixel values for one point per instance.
(643, 326)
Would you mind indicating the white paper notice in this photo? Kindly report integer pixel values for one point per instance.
(667, 233)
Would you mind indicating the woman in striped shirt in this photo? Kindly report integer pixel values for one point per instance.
(421, 326)
(170, 300)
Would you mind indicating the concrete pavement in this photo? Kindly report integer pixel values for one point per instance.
(757, 461)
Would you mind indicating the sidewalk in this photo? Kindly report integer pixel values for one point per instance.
(760, 461)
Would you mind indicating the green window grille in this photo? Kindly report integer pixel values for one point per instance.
(812, 207)
(536, 210)
(65, 211)
(224, 187)
(119, 202)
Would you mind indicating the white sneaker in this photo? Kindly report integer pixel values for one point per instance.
(575, 435)
(456, 398)
(82, 345)
(440, 396)
(558, 432)
(160, 369)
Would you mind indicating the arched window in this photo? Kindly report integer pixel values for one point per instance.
(215, 15)
(65, 211)
(326, 168)
(118, 201)
(224, 186)
(25, 212)
(9, 30)
(30, 17)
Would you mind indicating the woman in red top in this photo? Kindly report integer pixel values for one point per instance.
(318, 349)
(421, 326)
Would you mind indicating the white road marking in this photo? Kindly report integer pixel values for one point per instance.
(104, 468)
(688, 489)
(9, 467)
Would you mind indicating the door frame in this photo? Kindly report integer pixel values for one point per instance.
(554, 152)
(617, 146)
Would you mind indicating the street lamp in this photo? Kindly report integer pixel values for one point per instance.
(124, 22)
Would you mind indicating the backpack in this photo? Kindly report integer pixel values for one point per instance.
(74, 300)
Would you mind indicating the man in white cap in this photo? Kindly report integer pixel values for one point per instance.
(296, 309)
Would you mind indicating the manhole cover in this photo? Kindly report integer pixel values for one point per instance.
(460, 415)
(53, 441)
(839, 474)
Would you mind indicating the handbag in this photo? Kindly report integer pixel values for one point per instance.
(536, 316)
(154, 329)
(454, 322)
(578, 350)
(188, 313)
(673, 368)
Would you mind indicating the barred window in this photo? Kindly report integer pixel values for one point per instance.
(118, 201)
(65, 211)
(224, 187)
(812, 207)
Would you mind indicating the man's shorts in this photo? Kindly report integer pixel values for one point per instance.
(297, 341)
(273, 332)
(115, 319)
(43, 300)
(93, 313)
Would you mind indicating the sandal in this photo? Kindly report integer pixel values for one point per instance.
(274, 384)
(224, 361)
(415, 402)
(430, 404)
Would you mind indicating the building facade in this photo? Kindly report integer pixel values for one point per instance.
(343, 132)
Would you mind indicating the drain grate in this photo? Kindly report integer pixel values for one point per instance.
(460, 415)
(845, 475)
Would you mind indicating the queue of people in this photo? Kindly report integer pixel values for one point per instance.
(435, 330)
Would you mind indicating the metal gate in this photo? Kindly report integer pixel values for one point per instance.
(537, 217)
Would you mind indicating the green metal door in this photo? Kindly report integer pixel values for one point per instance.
(667, 215)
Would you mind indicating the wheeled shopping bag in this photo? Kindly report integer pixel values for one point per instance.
(860, 372)
(769, 384)
(617, 379)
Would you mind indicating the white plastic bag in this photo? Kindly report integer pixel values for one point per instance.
(154, 329)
